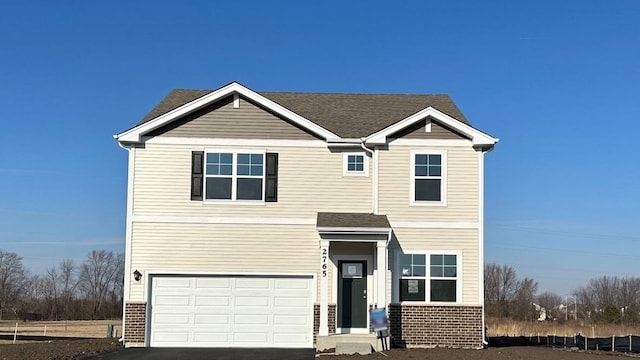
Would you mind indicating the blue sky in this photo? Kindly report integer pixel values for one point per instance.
(557, 81)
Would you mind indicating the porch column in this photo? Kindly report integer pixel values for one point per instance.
(381, 281)
(324, 288)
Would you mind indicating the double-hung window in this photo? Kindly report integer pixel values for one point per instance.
(428, 277)
(234, 176)
(428, 178)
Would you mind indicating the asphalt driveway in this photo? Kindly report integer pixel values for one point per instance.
(207, 354)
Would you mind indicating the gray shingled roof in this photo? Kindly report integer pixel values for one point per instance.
(355, 220)
(347, 115)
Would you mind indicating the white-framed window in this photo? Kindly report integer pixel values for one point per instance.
(428, 178)
(355, 164)
(429, 277)
(234, 175)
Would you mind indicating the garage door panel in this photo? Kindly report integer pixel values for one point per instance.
(175, 337)
(290, 320)
(251, 319)
(173, 282)
(250, 337)
(203, 301)
(172, 319)
(173, 300)
(288, 302)
(206, 338)
(212, 319)
(252, 283)
(251, 301)
(283, 284)
(213, 283)
(231, 311)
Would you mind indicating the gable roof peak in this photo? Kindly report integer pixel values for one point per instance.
(329, 115)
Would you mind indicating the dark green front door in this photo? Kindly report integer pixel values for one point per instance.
(352, 294)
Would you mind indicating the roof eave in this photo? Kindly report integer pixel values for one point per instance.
(134, 135)
(353, 230)
(478, 138)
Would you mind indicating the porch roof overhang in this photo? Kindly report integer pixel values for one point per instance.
(352, 223)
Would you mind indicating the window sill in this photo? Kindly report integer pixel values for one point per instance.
(234, 202)
(428, 203)
(355, 174)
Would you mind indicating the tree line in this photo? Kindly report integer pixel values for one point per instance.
(605, 299)
(92, 289)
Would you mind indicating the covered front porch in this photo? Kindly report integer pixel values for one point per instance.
(353, 276)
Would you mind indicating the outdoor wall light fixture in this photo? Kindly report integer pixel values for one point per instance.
(137, 275)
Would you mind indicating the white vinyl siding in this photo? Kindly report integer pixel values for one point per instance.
(461, 185)
(310, 180)
(462, 242)
(222, 248)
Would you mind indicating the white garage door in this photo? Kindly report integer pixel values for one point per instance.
(240, 311)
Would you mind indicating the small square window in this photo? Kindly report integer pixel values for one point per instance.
(355, 164)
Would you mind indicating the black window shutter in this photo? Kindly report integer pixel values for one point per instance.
(271, 181)
(197, 167)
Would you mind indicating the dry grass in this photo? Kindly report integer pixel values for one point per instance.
(75, 328)
(506, 327)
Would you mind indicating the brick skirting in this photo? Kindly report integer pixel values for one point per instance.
(447, 326)
(134, 322)
(316, 319)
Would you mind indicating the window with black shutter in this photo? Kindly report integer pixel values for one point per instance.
(197, 172)
(271, 181)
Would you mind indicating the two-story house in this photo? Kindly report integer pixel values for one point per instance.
(274, 219)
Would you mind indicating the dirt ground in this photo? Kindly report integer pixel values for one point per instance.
(81, 349)
(58, 350)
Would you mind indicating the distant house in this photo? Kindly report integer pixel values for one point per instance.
(541, 311)
(274, 219)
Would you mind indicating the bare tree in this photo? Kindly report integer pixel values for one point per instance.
(523, 300)
(610, 293)
(550, 302)
(67, 284)
(96, 278)
(13, 279)
(501, 283)
(629, 299)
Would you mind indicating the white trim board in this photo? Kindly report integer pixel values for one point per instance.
(165, 140)
(134, 135)
(223, 220)
(296, 221)
(478, 138)
(434, 225)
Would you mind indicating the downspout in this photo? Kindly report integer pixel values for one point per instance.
(374, 170)
(481, 154)
(127, 257)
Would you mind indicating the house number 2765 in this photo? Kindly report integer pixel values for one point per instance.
(323, 261)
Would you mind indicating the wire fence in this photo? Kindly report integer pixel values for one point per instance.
(626, 344)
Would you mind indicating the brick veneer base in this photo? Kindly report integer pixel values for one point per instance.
(135, 315)
(425, 326)
(316, 319)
